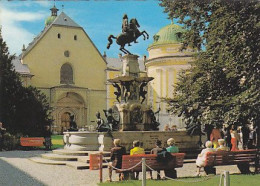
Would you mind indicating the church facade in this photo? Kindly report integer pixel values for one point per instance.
(63, 63)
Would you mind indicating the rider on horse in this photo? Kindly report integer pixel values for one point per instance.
(130, 33)
(127, 29)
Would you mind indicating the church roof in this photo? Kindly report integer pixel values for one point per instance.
(61, 20)
(64, 20)
(19, 67)
(169, 34)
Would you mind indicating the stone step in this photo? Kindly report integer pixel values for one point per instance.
(85, 159)
(47, 161)
(80, 165)
(189, 160)
(58, 157)
(77, 153)
(70, 152)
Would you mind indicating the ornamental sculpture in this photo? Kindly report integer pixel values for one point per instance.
(130, 33)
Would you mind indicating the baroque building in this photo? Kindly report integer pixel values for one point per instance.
(63, 63)
(164, 63)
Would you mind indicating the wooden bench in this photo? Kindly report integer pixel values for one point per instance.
(129, 161)
(32, 142)
(241, 158)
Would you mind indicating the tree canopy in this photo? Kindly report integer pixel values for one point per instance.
(24, 110)
(223, 84)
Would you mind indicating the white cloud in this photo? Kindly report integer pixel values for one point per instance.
(44, 3)
(13, 32)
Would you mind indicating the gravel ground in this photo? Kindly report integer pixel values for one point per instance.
(16, 169)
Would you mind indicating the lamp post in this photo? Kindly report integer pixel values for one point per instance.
(1, 93)
(1, 82)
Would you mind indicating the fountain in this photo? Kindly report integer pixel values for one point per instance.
(130, 118)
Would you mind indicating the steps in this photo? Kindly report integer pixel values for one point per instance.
(75, 159)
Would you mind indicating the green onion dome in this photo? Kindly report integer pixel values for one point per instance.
(49, 20)
(169, 34)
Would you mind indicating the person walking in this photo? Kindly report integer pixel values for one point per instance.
(245, 136)
(2, 131)
(235, 138)
(215, 136)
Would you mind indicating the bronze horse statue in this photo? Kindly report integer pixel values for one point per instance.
(126, 38)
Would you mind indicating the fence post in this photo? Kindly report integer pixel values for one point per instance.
(101, 167)
(226, 178)
(144, 172)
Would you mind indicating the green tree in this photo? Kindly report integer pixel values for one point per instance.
(24, 109)
(223, 84)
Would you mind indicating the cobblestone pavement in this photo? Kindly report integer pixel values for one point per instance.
(16, 169)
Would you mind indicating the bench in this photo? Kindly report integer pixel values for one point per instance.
(129, 161)
(241, 158)
(32, 142)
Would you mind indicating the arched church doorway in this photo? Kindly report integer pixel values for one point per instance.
(69, 104)
(65, 121)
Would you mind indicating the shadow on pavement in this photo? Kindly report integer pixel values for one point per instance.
(11, 176)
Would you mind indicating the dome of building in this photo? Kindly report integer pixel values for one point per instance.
(169, 34)
(53, 16)
(49, 20)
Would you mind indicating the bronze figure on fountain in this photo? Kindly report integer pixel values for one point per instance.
(130, 33)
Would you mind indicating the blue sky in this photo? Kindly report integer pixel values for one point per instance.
(23, 20)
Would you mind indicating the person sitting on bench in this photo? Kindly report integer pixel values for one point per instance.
(200, 162)
(222, 147)
(116, 158)
(136, 150)
(156, 150)
(172, 147)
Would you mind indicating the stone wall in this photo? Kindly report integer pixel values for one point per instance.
(148, 139)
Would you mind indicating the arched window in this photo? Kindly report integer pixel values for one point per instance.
(75, 37)
(66, 74)
(59, 35)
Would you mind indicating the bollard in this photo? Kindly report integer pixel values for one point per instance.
(101, 167)
(144, 172)
(227, 178)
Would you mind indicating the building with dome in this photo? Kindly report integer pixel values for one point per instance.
(63, 63)
(164, 63)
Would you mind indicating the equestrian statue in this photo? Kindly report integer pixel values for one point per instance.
(130, 33)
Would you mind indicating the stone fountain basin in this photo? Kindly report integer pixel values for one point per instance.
(94, 141)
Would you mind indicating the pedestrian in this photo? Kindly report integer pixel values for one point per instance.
(234, 138)
(47, 137)
(208, 129)
(252, 137)
(227, 136)
(116, 158)
(2, 131)
(136, 150)
(245, 136)
(215, 136)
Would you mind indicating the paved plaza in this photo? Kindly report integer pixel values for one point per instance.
(17, 169)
